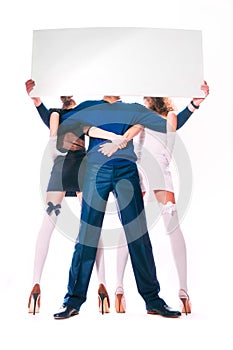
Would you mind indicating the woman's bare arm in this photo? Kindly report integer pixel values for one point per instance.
(54, 123)
(133, 131)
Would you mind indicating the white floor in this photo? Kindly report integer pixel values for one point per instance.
(208, 325)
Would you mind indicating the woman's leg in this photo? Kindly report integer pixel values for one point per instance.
(122, 258)
(53, 200)
(79, 196)
(100, 265)
(103, 297)
(178, 246)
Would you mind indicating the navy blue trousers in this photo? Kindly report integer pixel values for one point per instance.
(123, 180)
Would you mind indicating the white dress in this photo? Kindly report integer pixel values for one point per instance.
(154, 157)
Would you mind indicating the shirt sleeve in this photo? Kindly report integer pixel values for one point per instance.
(44, 114)
(150, 120)
(183, 117)
(153, 121)
(74, 120)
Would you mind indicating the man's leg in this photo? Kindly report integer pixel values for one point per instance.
(130, 201)
(93, 209)
(129, 197)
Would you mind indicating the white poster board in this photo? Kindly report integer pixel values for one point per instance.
(117, 61)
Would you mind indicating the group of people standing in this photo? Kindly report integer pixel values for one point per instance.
(110, 166)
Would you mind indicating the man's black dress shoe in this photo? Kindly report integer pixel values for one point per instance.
(67, 312)
(164, 310)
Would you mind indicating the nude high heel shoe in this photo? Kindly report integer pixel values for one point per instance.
(120, 304)
(34, 300)
(103, 299)
(186, 304)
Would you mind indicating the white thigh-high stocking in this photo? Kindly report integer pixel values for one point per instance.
(100, 264)
(122, 257)
(42, 245)
(178, 246)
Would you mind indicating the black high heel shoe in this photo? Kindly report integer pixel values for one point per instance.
(103, 299)
(34, 300)
(184, 297)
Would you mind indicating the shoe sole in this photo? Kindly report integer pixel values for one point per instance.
(64, 318)
(156, 313)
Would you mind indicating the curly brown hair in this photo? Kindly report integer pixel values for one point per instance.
(161, 105)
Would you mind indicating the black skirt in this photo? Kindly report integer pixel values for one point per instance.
(68, 173)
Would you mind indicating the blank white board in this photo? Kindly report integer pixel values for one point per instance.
(117, 61)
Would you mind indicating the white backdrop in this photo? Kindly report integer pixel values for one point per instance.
(207, 223)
